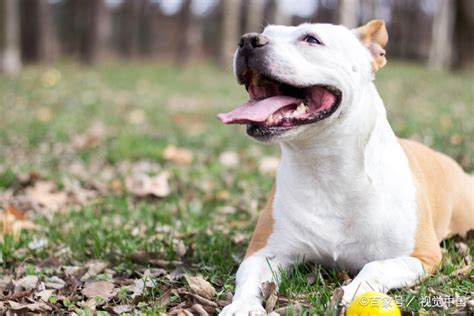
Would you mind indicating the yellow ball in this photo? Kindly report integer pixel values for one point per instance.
(372, 304)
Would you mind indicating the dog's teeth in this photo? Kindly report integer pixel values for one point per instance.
(301, 109)
(269, 120)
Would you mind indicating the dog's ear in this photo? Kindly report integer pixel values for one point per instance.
(375, 37)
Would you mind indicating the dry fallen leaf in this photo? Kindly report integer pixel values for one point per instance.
(159, 185)
(142, 185)
(179, 247)
(200, 286)
(336, 298)
(99, 288)
(90, 304)
(91, 138)
(239, 237)
(456, 139)
(93, 267)
(121, 309)
(223, 195)
(54, 283)
(470, 305)
(5, 281)
(14, 305)
(268, 165)
(199, 299)
(26, 283)
(44, 295)
(165, 299)
(33, 307)
(180, 312)
(137, 116)
(177, 273)
(71, 270)
(464, 271)
(36, 243)
(229, 159)
(462, 247)
(139, 286)
(44, 194)
(343, 277)
(268, 290)
(199, 310)
(44, 115)
(19, 214)
(143, 257)
(177, 155)
(226, 299)
(13, 222)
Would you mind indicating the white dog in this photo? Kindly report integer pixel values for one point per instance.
(348, 193)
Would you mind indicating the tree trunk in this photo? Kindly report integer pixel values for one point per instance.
(281, 17)
(130, 27)
(325, 13)
(405, 43)
(348, 13)
(93, 27)
(230, 30)
(183, 46)
(441, 51)
(368, 11)
(35, 31)
(275, 15)
(147, 34)
(463, 35)
(212, 32)
(10, 62)
(254, 16)
(68, 31)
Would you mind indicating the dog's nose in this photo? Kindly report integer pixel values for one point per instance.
(252, 40)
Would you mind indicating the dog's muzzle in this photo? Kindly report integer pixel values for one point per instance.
(250, 54)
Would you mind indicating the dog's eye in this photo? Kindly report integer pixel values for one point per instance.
(312, 40)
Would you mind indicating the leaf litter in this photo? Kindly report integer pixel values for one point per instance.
(81, 286)
(96, 286)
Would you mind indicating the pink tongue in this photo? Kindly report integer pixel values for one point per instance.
(257, 110)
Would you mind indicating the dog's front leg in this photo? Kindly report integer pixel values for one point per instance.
(253, 271)
(384, 275)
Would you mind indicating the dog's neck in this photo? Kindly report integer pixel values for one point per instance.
(338, 155)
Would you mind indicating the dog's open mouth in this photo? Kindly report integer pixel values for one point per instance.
(276, 104)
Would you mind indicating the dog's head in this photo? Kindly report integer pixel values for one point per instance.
(303, 78)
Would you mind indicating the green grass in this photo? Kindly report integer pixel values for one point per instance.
(143, 108)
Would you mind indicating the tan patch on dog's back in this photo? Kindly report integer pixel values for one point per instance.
(264, 227)
(445, 200)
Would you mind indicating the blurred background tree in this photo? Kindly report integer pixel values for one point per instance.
(10, 62)
(438, 32)
(453, 35)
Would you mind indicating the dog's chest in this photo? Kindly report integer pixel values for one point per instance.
(342, 228)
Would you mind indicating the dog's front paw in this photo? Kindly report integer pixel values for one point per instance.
(356, 288)
(243, 308)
